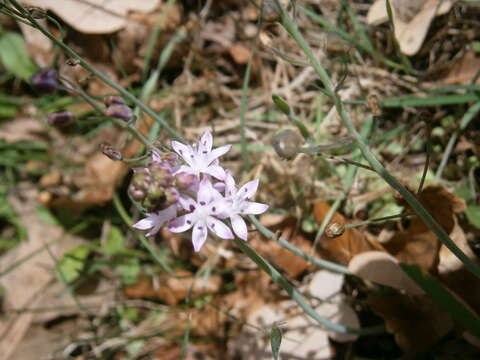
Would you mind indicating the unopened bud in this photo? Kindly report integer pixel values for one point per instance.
(61, 119)
(110, 152)
(118, 111)
(113, 100)
(334, 230)
(45, 81)
(171, 196)
(374, 105)
(286, 144)
(281, 104)
(185, 181)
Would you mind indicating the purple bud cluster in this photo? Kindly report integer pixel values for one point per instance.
(189, 189)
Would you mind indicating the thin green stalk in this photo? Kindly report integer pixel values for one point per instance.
(467, 117)
(34, 23)
(410, 198)
(296, 296)
(243, 110)
(329, 265)
(371, 221)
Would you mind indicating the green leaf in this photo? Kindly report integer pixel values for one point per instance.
(446, 299)
(14, 56)
(115, 242)
(129, 271)
(473, 215)
(275, 340)
(72, 263)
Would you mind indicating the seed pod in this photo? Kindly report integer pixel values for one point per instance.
(37, 13)
(286, 144)
(61, 119)
(110, 152)
(334, 230)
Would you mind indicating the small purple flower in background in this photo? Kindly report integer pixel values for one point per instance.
(202, 215)
(200, 157)
(45, 81)
(237, 203)
(156, 220)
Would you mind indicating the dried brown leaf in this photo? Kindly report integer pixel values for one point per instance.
(342, 248)
(415, 321)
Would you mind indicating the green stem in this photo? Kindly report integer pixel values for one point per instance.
(410, 198)
(98, 74)
(296, 296)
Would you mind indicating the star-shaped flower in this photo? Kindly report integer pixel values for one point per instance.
(200, 157)
(237, 204)
(202, 216)
(156, 220)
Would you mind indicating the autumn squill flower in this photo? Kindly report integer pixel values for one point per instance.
(200, 158)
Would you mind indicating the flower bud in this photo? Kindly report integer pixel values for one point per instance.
(119, 111)
(286, 144)
(110, 152)
(161, 174)
(113, 100)
(185, 181)
(45, 81)
(171, 196)
(61, 119)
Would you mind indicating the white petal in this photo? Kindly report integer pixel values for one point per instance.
(144, 224)
(219, 186)
(185, 151)
(204, 195)
(181, 224)
(153, 231)
(156, 157)
(239, 227)
(184, 169)
(254, 208)
(216, 153)
(206, 141)
(219, 228)
(249, 189)
(230, 188)
(187, 203)
(199, 235)
(216, 171)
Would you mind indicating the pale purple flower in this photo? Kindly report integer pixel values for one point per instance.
(156, 220)
(237, 204)
(202, 216)
(200, 157)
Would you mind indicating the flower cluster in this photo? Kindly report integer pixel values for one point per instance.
(189, 189)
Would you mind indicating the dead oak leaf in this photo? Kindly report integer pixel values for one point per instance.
(95, 17)
(415, 321)
(417, 244)
(411, 20)
(343, 248)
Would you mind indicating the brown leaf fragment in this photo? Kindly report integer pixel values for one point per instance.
(173, 290)
(342, 248)
(417, 244)
(415, 321)
(240, 54)
(463, 71)
(384, 269)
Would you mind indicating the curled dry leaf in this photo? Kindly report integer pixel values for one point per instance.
(92, 17)
(325, 284)
(342, 248)
(463, 70)
(411, 20)
(383, 269)
(284, 259)
(173, 290)
(415, 321)
(417, 244)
